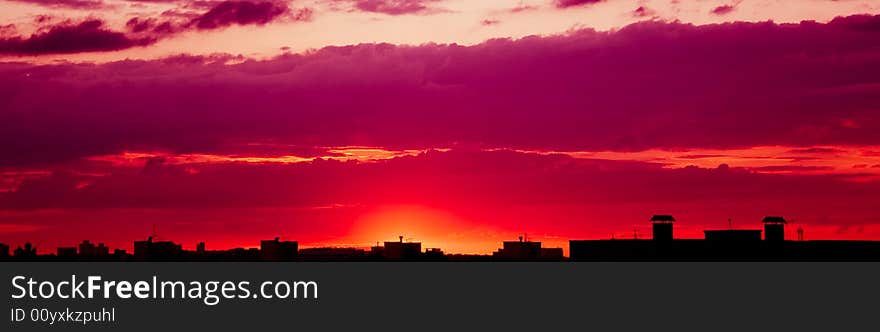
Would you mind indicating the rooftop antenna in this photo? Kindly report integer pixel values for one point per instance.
(800, 231)
(729, 223)
(635, 233)
(155, 235)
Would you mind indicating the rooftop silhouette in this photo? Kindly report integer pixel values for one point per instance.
(717, 245)
(723, 245)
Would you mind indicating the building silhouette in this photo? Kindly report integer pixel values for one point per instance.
(276, 250)
(66, 252)
(723, 245)
(523, 250)
(401, 250)
(434, 254)
(552, 254)
(88, 249)
(735, 237)
(774, 229)
(662, 227)
(28, 251)
(157, 250)
(328, 254)
(519, 250)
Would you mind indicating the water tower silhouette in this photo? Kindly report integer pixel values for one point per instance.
(662, 227)
(774, 229)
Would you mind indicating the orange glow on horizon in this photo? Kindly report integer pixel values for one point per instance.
(433, 228)
(845, 160)
(346, 153)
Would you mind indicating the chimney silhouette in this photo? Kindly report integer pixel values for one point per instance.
(662, 227)
(774, 229)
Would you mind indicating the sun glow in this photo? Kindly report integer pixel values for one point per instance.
(433, 228)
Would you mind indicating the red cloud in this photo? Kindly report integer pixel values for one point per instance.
(510, 191)
(452, 179)
(88, 36)
(574, 3)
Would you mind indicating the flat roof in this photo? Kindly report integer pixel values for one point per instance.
(662, 217)
(773, 219)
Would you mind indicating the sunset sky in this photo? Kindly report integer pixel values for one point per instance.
(457, 123)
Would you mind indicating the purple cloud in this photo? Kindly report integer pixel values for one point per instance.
(574, 3)
(220, 15)
(713, 86)
(87, 36)
(242, 13)
(723, 9)
(643, 11)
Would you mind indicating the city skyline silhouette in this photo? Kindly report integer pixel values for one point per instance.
(729, 244)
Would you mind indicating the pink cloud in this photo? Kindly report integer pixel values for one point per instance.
(7, 30)
(392, 7)
(72, 4)
(523, 8)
